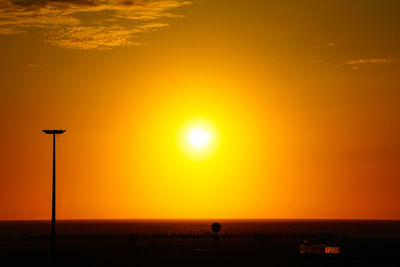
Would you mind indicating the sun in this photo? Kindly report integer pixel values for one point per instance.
(198, 137)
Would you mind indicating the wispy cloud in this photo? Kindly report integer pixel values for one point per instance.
(151, 26)
(370, 61)
(88, 24)
(357, 63)
(330, 44)
(88, 37)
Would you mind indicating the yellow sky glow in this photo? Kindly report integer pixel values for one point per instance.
(298, 101)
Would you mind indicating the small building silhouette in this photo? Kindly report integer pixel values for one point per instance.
(318, 248)
(332, 250)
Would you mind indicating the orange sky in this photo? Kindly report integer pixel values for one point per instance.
(301, 98)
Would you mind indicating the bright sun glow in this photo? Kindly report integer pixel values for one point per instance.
(198, 137)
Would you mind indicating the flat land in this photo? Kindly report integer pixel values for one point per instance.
(125, 250)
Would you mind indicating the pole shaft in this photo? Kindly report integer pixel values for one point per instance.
(53, 211)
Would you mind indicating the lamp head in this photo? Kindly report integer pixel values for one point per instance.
(57, 131)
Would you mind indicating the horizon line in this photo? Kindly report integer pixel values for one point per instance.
(207, 219)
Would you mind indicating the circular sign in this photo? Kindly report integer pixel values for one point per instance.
(216, 227)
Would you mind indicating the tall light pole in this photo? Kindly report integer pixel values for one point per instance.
(53, 205)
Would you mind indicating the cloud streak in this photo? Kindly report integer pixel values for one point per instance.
(370, 61)
(324, 45)
(357, 63)
(88, 24)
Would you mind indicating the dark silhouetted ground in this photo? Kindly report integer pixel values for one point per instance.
(108, 250)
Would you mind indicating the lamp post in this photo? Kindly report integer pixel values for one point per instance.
(53, 205)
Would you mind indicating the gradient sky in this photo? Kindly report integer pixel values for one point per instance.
(302, 98)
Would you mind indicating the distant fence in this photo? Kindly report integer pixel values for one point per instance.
(232, 235)
(187, 236)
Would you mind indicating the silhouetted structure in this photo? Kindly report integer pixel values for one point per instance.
(53, 206)
(216, 227)
(318, 248)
